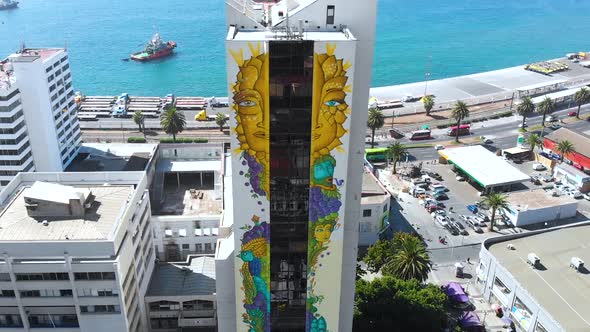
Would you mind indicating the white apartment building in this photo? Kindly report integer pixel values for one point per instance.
(15, 147)
(375, 204)
(45, 84)
(77, 250)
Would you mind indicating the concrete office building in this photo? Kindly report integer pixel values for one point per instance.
(77, 252)
(44, 82)
(15, 147)
(374, 216)
(553, 296)
(298, 74)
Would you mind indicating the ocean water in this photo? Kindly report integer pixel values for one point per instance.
(446, 37)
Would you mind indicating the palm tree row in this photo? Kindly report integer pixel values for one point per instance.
(375, 120)
(460, 111)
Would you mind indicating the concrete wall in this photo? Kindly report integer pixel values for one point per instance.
(369, 227)
(189, 224)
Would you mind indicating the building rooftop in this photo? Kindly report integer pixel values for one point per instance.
(262, 35)
(579, 141)
(537, 199)
(32, 54)
(99, 221)
(372, 191)
(483, 166)
(112, 157)
(563, 292)
(196, 278)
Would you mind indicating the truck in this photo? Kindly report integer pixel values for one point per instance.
(202, 116)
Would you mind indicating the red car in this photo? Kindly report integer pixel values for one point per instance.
(572, 113)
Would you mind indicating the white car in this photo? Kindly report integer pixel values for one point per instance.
(487, 141)
(575, 194)
(442, 220)
(459, 178)
(439, 147)
(586, 196)
(538, 167)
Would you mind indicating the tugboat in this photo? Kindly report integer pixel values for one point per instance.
(155, 49)
(8, 4)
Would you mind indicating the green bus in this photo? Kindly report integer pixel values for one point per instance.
(376, 155)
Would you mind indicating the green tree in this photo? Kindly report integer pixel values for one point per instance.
(220, 120)
(375, 120)
(395, 152)
(428, 102)
(410, 261)
(564, 148)
(581, 97)
(383, 250)
(525, 108)
(139, 119)
(546, 107)
(395, 305)
(495, 201)
(460, 111)
(533, 141)
(173, 122)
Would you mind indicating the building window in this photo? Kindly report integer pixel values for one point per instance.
(6, 293)
(94, 275)
(199, 247)
(42, 276)
(30, 293)
(330, 14)
(186, 246)
(367, 213)
(384, 208)
(208, 247)
(65, 292)
(100, 309)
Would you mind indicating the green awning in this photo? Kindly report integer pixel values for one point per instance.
(425, 127)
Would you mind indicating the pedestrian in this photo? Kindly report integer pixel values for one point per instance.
(468, 261)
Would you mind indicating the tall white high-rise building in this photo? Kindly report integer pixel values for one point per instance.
(44, 82)
(15, 147)
(298, 75)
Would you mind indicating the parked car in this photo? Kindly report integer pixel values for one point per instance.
(535, 179)
(555, 126)
(483, 216)
(459, 178)
(452, 229)
(547, 178)
(474, 225)
(439, 147)
(439, 187)
(440, 196)
(434, 175)
(575, 194)
(442, 220)
(551, 118)
(472, 208)
(487, 141)
(538, 167)
(459, 226)
(480, 221)
(572, 113)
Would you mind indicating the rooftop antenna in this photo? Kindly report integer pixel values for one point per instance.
(23, 47)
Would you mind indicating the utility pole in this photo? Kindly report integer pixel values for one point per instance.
(427, 74)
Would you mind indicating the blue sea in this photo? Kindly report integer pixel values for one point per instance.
(446, 37)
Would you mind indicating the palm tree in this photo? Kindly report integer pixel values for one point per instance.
(460, 112)
(564, 148)
(396, 151)
(138, 118)
(581, 97)
(220, 119)
(525, 108)
(428, 102)
(411, 260)
(546, 107)
(495, 201)
(173, 122)
(533, 141)
(375, 120)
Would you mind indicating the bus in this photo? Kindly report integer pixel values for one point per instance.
(376, 155)
(463, 130)
(420, 134)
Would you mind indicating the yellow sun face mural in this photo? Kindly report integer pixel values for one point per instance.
(251, 107)
(328, 101)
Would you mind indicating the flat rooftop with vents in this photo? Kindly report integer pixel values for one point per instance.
(560, 290)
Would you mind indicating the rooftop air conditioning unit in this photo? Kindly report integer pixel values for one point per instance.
(533, 260)
(577, 264)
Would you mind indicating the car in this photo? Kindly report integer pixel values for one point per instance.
(487, 141)
(472, 208)
(483, 216)
(439, 147)
(440, 205)
(442, 220)
(474, 226)
(539, 167)
(535, 179)
(523, 125)
(572, 113)
(547, 178)
(459, 178)
(440, 196)
(551, 118)
(419, 191)
(479, 221)
(434, 175)
(555, 126)
(575, 194)
(459, 226)
(439, 187)
(586, 197)
(452, 229)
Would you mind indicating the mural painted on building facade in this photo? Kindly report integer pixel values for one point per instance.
(251, 107)
(250, 95)
(330, 111)
(255, 274)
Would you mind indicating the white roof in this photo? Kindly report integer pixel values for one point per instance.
(555, 95)
(483, 166)
(54, 192)
(181, 166)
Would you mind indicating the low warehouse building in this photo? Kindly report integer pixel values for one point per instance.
(581, 157)
(552, 295)
(484, 169)
(535, 206)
